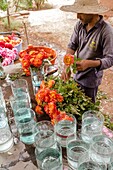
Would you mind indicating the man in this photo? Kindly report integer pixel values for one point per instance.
(92, 40)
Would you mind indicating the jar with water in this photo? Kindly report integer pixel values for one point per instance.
(75, 148)
(64, 128)
(25, 121)
(2, 100)
(101, 149)
(6, 137)
(2, 73)
(86, 163)
(37, 75)
(92, 124)
(48, 151)
(19, 88)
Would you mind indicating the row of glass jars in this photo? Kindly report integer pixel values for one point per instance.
(49, 140)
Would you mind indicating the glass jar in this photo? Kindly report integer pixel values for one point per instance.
(6, 137)
(64, 128)
(92, 124)
(101, 149)
(2, 100)
(37, 75)
(2, 73)
(25, 121)
(75, 148)
(48, 152)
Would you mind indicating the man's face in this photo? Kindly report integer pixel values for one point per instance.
(85, 18)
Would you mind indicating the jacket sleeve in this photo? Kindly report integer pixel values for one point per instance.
(107, 47)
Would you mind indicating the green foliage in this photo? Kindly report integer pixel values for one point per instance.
(108, 121)
(75, 101)
(74, 64)
(26, 4)
(3, 5)
(39, 3)
(14, 24)
(73, 67)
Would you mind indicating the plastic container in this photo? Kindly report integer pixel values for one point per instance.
(19, 48)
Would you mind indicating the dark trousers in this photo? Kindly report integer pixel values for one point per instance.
(90, 92)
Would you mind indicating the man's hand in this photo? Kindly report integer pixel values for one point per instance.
(66, 76)
(84, 64)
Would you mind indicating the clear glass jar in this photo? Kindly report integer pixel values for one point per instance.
(6, 137)
(37, 75)
(48, 152)
(64, 128)
(2, 73)
(2, 100)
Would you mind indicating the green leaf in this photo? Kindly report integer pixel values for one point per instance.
(68, 70)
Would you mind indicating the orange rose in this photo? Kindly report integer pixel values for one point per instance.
(30, 46)
(59, 98)
(22, 53)
(38, 110)
(68, 59)
(42, 85)
(27, 72)
(39, 56)
(37, 62)
(46, 99)
(47, 91)
(68, 118)
(51, 83)
(31, 60)
(46, 108)
(26, 63)
(53, 96)
(52, 108)
(32, 52)
(39, 101)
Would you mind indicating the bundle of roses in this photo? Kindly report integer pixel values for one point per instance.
(36, 57)
(47, 100)
(8, 52)
(70, 62)
(10, 41)
(7, 55)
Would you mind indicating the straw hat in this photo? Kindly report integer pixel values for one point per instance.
(86, 7)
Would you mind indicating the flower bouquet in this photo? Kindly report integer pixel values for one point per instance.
(8, 49)
(35, 57)
(70, 62)
(47, 100)
(56, 97)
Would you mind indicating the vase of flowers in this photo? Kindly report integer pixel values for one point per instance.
(33, 61)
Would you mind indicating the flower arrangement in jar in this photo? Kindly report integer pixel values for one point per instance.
(36, 57)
